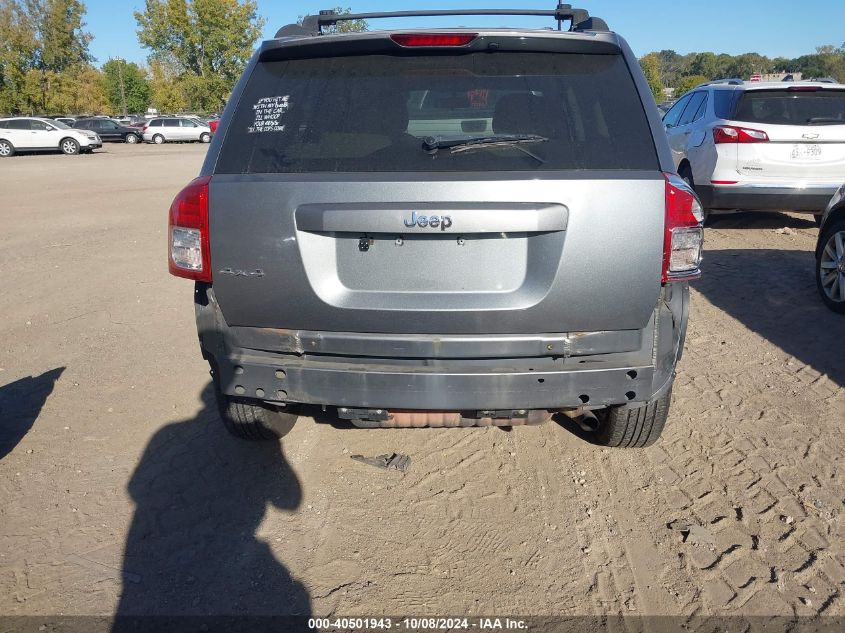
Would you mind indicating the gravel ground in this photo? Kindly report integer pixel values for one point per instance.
(120, 491)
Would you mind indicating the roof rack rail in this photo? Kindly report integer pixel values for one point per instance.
(731, 82)
(579, 19)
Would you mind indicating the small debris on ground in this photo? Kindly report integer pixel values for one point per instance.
(692, 532)
(391, 461)
(785, 231)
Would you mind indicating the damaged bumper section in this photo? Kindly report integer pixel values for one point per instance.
(449, 380)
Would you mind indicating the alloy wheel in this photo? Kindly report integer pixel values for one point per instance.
(832, 267)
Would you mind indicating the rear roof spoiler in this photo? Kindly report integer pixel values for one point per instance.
(579, 19)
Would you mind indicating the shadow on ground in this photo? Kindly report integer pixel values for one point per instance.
(773, 293)
(760, 220)
(192, 548)
(20, 403)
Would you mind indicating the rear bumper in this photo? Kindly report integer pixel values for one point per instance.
(445, 373)
(758, 197)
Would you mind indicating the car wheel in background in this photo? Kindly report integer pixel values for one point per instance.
(686, 175)
(205, 137)
(6, 149)
(69, 146)
(158, 139)
(132, 139)
(830, 266)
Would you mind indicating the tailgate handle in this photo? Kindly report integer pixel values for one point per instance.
(432, 218)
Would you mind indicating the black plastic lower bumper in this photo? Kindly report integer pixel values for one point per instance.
(747, 198)
(446, 373)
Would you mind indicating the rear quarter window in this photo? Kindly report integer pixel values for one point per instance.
(372, 112)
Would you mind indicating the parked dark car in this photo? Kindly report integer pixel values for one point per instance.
(830, 253)
(109, 130)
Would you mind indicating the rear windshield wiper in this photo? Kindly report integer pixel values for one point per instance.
(458, 144)
(824, 119)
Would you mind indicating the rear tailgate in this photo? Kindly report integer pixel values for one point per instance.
(326, 212)
(537, 256)
(806, 130)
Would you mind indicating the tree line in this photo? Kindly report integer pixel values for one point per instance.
(668, 69)
(197, 49)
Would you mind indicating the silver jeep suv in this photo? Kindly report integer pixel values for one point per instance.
(441, 228)
(760, 145)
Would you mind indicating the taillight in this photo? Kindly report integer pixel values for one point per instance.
(189, 255)
(683, 236)
(433, 39)
(733, 134)
(144, 129)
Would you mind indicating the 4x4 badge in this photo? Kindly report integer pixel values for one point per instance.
(243, 273)
(422, 221)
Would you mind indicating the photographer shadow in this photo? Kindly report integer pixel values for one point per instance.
(192, 552)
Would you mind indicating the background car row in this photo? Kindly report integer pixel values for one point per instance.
(77, 136)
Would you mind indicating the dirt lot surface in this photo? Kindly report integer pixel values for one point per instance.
(121, 492)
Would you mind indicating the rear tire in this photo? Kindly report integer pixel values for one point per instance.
(249, 421)
(826, 262)
(6, 149)
(205, 137)
(132, 139)
(158, 139)
(633, 427)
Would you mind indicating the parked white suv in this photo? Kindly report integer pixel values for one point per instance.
(760, 145)
(163, 129)
(30, 134)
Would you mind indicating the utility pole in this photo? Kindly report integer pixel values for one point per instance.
(120, 62)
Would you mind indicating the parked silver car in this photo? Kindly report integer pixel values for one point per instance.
(167, 129)
(431, 228)
(757, 145)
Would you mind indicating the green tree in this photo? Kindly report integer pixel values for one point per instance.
(43, 45)
(651, 69)
(59, 26)
(204, 43)
(17, 56)
(166, 90)
(687, 83)
(126, 86)
(346, 26)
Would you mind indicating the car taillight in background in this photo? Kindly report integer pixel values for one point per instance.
(188, 247)
(733, 134)
(683, 234)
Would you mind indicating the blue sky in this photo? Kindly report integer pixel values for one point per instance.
(770, 27)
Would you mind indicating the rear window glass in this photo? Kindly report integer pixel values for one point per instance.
(785, 107)
(372, 113)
